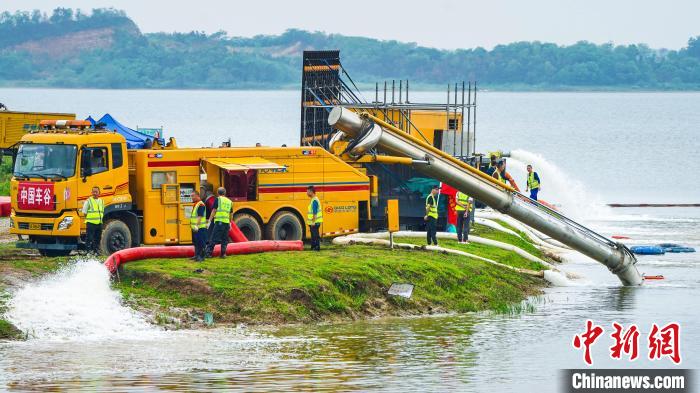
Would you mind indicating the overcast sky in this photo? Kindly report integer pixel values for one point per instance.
(435, 23)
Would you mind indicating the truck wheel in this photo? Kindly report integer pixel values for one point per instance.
(115, 236)
(249, 226)
(284, 226)
(54, 253)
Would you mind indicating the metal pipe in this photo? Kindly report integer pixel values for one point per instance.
(393, 89)
(474, 123)
(469, 119)
(389, 160)
(454, 131)
(407, 101)
(461, 132)
(449, 170)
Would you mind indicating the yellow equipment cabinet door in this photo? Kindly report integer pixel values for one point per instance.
(170, 198)
(185, 211)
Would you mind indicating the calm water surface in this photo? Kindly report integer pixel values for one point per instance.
(608, 147)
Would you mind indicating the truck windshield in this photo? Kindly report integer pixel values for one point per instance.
(46, 161)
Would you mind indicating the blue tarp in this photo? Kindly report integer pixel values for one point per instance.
(134, 139)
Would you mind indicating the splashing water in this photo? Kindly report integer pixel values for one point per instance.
(75, 303)
(558, 188)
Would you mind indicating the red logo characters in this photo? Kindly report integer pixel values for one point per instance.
(663, 342)
(35, 196)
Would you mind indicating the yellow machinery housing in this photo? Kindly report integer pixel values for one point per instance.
(147, 193)
(13, 125)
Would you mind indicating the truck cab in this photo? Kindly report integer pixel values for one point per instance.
(54, 172)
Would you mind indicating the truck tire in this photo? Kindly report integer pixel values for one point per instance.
(115, 236)
(249, 226)
(284, 225)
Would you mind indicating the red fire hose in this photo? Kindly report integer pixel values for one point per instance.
(240, 245)
(138, 253)
(235, 234)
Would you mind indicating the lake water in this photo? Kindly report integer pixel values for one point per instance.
(589, 148)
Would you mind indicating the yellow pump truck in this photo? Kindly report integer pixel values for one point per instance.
(147, 192)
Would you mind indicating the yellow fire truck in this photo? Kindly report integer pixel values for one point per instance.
(147, 192)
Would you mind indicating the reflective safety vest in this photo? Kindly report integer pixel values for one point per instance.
(95, 211)
(432, 209)
(463, 199)
(194, 218)
(223, 210)
(497, 176)
(310, 212)
(532, 182)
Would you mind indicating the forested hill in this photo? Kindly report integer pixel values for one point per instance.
(105, 49)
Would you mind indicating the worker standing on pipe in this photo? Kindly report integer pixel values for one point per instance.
(314, 216)
(198, 224)
(94, 209)
(221, 215)
(533, 182)
(463, 208)
(431, 215)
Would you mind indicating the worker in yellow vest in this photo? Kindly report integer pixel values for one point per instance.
(533, 182)
(499, 172)
(314, 217)
(221, 216)
(463, 210)
(94, 210)
(431, 215)
(198, 224)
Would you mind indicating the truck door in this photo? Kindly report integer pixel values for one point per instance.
(95, 171)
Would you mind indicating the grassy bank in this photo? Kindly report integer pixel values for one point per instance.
(340, 282)
(7, 330)
(18, 266)
(490, 252)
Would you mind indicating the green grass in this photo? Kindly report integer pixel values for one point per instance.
(521, 242)
(26, 262)
(491, 252)
(337, 283)
(5, 175)
(7, 330)
(494, 253)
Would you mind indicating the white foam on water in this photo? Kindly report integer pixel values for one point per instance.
(558, 187)
(75, 303)
(556, 278)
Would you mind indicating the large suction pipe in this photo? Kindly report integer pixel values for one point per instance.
(501, 197)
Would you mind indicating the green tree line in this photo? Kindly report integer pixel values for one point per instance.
(216, 61)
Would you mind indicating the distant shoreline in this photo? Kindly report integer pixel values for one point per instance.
(367, 89)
